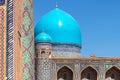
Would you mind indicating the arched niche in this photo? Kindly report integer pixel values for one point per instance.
(42, 54)
(65, 73)
(112, 74)
(89, 73)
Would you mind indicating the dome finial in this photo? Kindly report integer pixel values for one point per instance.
(56, 5)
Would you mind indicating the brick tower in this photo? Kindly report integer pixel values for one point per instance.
(16, 40)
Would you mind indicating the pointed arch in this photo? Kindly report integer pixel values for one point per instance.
(89, 66)
(65, 66)
(43, 54)
(65, 73)
(89, 73)
(113, 73)
(112, 67)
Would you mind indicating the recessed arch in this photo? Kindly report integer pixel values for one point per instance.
(113, 73)
(65, 66)
(42, 53)
(112, 67)
(65, 73)
(89, 66)
(89, 73)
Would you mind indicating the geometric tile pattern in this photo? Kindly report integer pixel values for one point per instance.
(43, 70)
(65, 50)
(28, 40)
(2, 42)
(100, 66)
(69, 65)
(10, 40)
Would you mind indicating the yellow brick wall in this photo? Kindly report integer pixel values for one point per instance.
(17, 44)
(2, 42)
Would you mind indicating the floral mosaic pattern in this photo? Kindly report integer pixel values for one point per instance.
(28, 41)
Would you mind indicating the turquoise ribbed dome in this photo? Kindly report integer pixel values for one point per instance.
(61, 26)
(43, 37)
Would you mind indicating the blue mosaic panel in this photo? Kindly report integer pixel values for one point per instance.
(10, 40)
(2, 2)
(65, 50)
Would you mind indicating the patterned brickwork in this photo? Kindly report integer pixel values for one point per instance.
(28, 41)
(2, 42)
(43, 65)
(69, 65)
(111, 63)
(43, 69)
(53, 70)
(10, 40)
(77, 66)
(77, 73)
(65, 50)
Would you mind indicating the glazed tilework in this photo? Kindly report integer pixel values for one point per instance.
(100, 66)
(46, 67)
(10, 73)
(2, 2)
(65, 50)
(43, 69)
(70, 65)
(28, 41)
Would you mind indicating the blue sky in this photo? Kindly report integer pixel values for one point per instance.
(99, 21)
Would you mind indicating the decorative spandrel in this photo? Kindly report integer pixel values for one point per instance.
(2, 2)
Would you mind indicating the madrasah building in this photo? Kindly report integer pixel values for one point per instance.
(51, 51)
